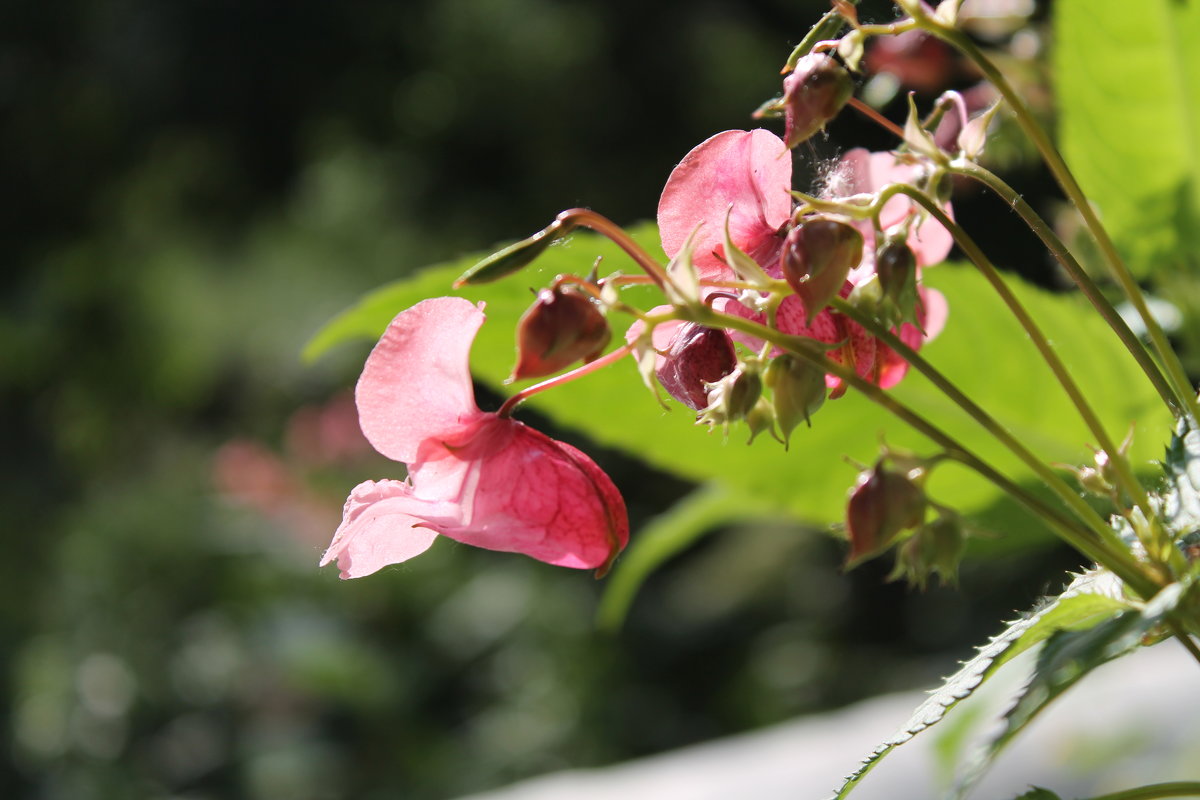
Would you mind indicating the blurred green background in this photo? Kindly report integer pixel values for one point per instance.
(191, 190)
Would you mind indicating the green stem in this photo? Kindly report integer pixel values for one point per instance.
(1078, 275)
(1116, 549)
(1174, 789)
(1069, 530)
(1062, 174)
(1124, 472)
(1185, 639)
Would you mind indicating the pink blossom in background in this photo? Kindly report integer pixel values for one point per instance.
(745, 175)
(476, 477)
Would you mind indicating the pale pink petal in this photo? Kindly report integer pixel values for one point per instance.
(540, 497)
(745, 175)
(380, 527)
(936, 311)
(416, 384)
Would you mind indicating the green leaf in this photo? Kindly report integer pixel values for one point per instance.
(982, 348)
(665, 536)
(1090, 600)
(1068, 655)
(1128, 90)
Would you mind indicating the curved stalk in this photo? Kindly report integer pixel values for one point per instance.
(1068, 495)
(1082, 280)
(1069, 530)
(1128, 481)
(1073, 191)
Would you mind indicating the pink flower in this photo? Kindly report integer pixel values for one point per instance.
(742, 175)
(476, 477)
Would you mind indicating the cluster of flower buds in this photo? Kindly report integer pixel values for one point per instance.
(888, 507)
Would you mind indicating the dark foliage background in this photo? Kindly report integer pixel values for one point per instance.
(191, 188)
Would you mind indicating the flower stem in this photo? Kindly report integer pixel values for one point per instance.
(1068, 495)
(876, 117)
(510, 405)
(1062, 174)
(601, 224)
(1069, 530)
(1125, 475)
(1078, 275)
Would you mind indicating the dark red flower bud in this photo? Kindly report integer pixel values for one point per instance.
(696, 356)
(885, 502)
(813, 94)
(817, 256)
(561, 327)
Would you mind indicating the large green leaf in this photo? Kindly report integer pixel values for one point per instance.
(982, 349)
(1128, 86)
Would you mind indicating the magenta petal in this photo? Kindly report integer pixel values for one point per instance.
(531, 494)
(749, 172)
(379, 527)
(416, 384)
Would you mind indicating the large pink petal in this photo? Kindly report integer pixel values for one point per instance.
(416, 384)
(380, 527)
(749, 172)
(531, 494)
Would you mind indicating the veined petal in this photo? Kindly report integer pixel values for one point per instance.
(381, 525)
(416, 384)
(743, 174)
(541, 497)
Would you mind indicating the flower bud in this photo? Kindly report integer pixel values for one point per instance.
(515, 257)
(896, 266)
(817, 256)
(733, 397)
(696, 357)
(797, 391)
(885, 502)
(560, 328)
(813, 94)
(934, 548)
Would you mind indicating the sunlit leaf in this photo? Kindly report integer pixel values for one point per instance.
(1128, 92)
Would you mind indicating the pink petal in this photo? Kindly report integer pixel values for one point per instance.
(531, 494)
(748, 171)
(379, 527)
(416, 384)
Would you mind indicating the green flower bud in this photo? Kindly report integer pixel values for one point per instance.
(935, 548)
(797, 391)
(733, 397)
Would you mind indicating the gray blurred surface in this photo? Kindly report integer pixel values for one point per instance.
(1132, 722)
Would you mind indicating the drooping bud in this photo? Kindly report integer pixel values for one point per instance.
(896, 266)
(561, 327)
(761, 418)
(813, 94)
(817, 256)
(733, 397)
(514, 257)
(885, 502)
(797, 391)
(696, 357)
(935, 548)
